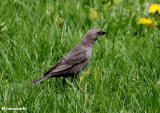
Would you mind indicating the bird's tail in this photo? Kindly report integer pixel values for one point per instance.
(38, 80)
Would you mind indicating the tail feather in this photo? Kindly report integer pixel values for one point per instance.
(38, 80)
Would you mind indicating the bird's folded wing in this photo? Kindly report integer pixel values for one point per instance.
(73, 58)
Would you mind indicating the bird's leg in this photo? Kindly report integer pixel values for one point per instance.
(64, 81)
(74, 76)
(72, 79)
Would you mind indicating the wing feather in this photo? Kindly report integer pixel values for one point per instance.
(74, 57)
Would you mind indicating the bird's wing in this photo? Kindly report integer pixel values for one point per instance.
(74, 57)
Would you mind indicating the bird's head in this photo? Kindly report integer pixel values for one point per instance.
(94, 34)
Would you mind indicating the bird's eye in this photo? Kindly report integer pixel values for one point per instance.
(99, 32)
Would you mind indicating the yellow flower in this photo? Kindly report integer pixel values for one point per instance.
(144, 21)
(93, 14)
(154, 8)
(156, 23)
(96, 15)
(159, 9)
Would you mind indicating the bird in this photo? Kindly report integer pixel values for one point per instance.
(75, 60)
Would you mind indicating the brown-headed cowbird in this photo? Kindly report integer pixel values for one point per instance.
(76, 59)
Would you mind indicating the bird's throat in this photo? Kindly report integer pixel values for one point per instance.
(88, 42)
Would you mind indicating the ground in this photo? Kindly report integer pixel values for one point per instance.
(124, 72)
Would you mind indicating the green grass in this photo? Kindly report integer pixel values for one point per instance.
(125, 63)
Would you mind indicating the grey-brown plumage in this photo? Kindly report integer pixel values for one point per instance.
(76, 60)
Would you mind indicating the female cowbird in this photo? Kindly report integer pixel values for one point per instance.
(75, 60)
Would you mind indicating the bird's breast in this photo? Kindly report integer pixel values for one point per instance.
(89, 53)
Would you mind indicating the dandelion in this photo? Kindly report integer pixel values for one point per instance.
(96, 15)
(148, 22)
(156, 23)
(154, 8)
(93, 14)
(144, 21)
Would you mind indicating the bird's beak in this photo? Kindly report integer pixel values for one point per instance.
(102, 32)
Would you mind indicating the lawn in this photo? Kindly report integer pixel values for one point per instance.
(124, 71)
